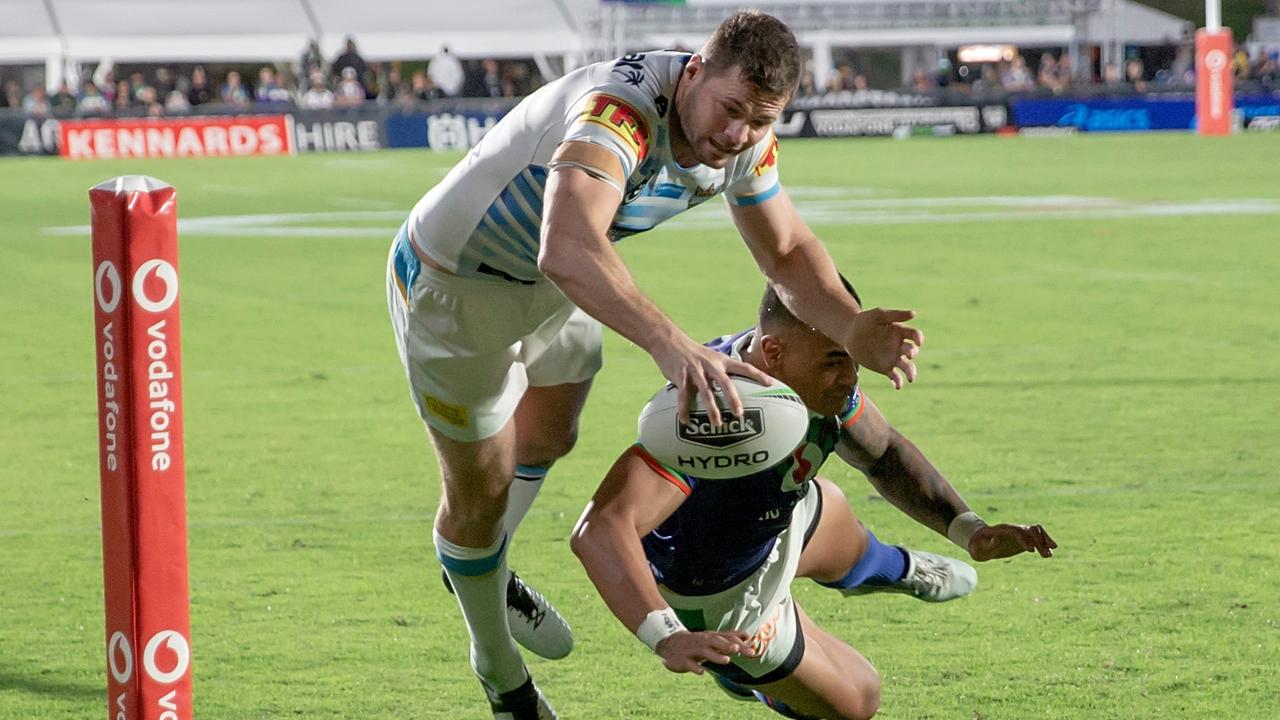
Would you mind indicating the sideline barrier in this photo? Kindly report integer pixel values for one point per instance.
(1258, 111)
(457, 128)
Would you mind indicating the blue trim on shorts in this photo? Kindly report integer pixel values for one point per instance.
(472, 568)
(406, 263)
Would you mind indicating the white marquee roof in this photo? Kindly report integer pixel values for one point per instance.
(257, 30)
(233, 30)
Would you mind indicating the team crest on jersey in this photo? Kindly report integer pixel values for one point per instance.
(770, 158)
(624, 120)
(629, 67)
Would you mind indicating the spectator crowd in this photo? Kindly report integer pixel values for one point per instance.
(350, 82)
(1052, 71)
(312, 82)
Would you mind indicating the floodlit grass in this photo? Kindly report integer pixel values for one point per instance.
(1106, 367)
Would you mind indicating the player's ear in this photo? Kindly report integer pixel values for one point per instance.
(694, 65)
(771, 348)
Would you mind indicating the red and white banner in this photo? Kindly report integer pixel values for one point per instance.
(1213, 81)
(211, 136)
(144, 529)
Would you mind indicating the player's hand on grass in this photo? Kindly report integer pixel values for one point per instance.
(879, 341)
(686, 651)
(696, 369)
(1001, 541)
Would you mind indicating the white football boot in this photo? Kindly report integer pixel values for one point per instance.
(930, 577)
(534, 621)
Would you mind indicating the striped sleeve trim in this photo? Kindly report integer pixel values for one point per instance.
(853, 410)
(667, 473)
(757, 198)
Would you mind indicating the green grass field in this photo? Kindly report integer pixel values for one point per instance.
(1103, 357)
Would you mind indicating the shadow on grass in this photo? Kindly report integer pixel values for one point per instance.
(51, 686)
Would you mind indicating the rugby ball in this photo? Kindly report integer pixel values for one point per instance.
(774, 422)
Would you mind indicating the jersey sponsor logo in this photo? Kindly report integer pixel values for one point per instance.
(770, 158)
(450, 413)
(624, 120)
(734, 431)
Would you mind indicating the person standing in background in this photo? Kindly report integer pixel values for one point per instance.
(445, 70)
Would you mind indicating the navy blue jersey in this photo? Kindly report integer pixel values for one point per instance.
(725, 529)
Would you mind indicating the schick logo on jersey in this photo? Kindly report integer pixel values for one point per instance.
(624, 120)
(734, 431)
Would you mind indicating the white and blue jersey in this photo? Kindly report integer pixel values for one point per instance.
(485, 216)
(725, 529)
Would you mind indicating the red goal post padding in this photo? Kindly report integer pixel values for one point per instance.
(144, 529)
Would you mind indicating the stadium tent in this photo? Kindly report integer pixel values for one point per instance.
(920, 27)
(61, 33)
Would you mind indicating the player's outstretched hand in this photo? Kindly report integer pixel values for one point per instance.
(694, 368)
(882, 343)
(686, 651)
(1001, 541)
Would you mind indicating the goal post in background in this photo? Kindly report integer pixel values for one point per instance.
(1214, 94)
(144, 529)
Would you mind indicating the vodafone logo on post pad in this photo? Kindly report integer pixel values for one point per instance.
(108, 299)
(118, 648)
(178, 648)
(165, 274)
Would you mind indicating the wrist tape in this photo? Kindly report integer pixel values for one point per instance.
(658, 626)
(962, 528)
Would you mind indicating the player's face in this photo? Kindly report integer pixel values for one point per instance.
(723, 115)
(818, 368)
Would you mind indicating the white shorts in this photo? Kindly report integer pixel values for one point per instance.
(470, 347)
(760, 605)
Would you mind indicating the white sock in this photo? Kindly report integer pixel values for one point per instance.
(524, 490)
(479, 579)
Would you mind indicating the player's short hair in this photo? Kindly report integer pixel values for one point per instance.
(763, 49)
(775, 316)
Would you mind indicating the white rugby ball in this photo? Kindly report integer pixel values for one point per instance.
(774, 422)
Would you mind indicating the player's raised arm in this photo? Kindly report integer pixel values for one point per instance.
(631, 501)
(582, 195)
(798, 265)
(905, 477)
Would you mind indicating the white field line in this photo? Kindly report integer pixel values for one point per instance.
(816, 205)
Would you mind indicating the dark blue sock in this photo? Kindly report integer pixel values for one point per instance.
(880, 565)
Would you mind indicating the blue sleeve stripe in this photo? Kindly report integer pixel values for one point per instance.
(757, 198)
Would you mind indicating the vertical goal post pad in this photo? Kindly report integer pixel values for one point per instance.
(144, 531)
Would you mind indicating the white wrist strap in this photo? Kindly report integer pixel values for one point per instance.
(658, 626)
(962, 528)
